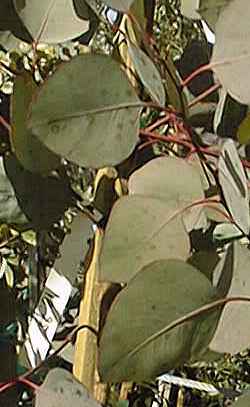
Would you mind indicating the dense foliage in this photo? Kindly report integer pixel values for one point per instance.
(124, 200)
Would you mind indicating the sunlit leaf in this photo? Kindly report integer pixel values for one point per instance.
(189, 8)
(169, 289)
(122, 5)
(140, 230)
(87, 111)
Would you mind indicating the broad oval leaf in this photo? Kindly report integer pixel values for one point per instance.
(233, 333)
(158, 295)
(51, 21)
(62, 388)
(233, 182)
(29, 150)
(155, 179)
(231, 51)
(87, 111)
(139, 231)
(168, 178)
(148, 73)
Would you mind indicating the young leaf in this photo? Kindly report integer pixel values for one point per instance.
(233, 333)
(87, 111)
(231, 51)
(134, 344)
(139, 231)
(61, 388)
(147, 73)
(233, 182)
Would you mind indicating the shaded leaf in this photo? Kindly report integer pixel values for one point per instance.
(176, 97)
(10, 21)
(74, 248)
(166, 294)
(233, 333)
(148, 73)
(90, 100)
(243, 133)
(233, 182)
(42, 199)
(62, 388)
(29, 150)
(205, 262)
(139, 231)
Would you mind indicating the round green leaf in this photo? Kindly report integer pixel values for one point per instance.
(134, 345)
(148, 73)
(31, 153)
(139, 231)
(87, 111)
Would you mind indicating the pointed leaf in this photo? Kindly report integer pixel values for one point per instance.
(91, 100)
(148, 73)
(158, 295)
(233, 182)
(139, 231)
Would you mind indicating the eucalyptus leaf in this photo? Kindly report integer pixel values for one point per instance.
(139, 231)
(62, 388)
(233, 182)
(189, 8)
(243, 401)
(29, 150)
(74, 248)
(134, 344)
(148, 73)
(122, 5)
(231, 51)
(87, 111)
(210, 10)
(233, 333)
(243, 133)
(51, 21)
